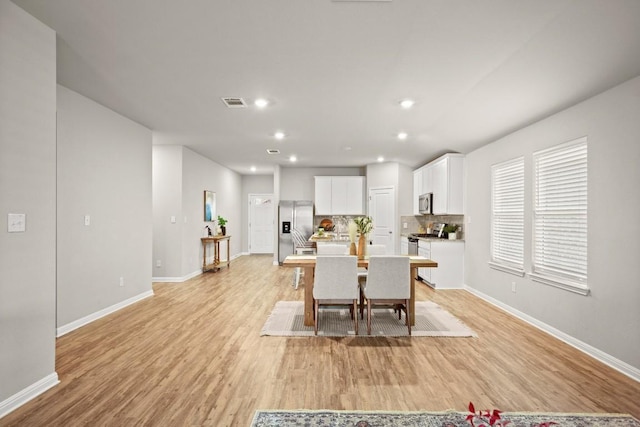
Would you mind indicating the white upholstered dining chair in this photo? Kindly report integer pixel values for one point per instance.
(388, 283)
(363, 272)
(336, 283)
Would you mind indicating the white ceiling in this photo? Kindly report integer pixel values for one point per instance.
(335, 71)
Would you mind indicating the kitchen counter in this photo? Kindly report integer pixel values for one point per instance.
(432, 239)
(329, 238)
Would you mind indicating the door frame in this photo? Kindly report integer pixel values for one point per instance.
(249, 216)
(394, 227)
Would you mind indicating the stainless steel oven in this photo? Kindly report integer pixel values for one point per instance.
(413, 245)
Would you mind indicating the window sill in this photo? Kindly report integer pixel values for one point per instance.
(562, 284)
(507, 269)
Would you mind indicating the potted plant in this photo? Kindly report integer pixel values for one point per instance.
(364, 225)
(222, 223)
(451, 229)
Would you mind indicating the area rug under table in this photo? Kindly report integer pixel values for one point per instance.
(429, 419)
(287, 319)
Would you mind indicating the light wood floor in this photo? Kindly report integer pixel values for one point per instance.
(192, 355)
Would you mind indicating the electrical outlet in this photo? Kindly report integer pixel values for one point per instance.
(121, 281)
(87, 220)
(405, 225)
(513, 287)
(158, 263)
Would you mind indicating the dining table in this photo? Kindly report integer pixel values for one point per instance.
(308, 264)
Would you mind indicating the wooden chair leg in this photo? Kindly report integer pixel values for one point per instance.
(315, 320)
(368, 316)
(355, 317)
(407, 315)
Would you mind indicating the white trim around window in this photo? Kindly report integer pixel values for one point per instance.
(507, 217)
(560, 216)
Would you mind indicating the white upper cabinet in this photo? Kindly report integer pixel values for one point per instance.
(323, 195)
(339, 195)
(427, 179)
(417, 189)
(447, 178)
(444, 178)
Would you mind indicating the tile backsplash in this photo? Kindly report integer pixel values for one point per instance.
(419, 223)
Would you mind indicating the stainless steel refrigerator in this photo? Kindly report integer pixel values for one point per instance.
(294, 217)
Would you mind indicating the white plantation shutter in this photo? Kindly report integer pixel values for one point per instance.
(560, 216)
(507, 222)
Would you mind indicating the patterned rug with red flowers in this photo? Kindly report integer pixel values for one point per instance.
(434, 419)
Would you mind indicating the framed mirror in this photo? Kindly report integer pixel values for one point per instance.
(209, 206)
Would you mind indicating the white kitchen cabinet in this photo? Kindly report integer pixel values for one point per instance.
(339, 195)
(447, 174)
(427, 179)
(417, 189)
(449, 274)
(323, 195)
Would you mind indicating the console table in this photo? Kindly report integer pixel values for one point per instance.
(216, 264)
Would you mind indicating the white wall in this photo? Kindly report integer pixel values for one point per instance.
(608, 319)
(398, 176)
(199, 174)
(299, 184)
(167, 202)
(28, 186)
(104, 171)
(180, 177)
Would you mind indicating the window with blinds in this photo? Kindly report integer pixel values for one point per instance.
(507, 216)
(560, 216)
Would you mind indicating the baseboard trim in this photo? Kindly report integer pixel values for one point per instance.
(617, 364)
(99, 314)
(27, 394)
(188, 276)
(177, 279)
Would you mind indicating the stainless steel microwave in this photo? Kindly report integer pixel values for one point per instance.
(424, 203)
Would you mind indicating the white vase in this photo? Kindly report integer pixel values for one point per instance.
(453, 236)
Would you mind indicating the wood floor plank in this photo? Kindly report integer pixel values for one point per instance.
(192, 355)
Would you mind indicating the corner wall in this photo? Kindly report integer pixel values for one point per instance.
(180, 177)
(27, 186)
(607, 320)
(104, 172)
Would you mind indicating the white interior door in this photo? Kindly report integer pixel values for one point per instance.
(382, 211)
(261, 223)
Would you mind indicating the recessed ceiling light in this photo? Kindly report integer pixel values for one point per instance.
(407, 103)
(293, 159)
(253, 168)
(279, 135)
(402, 135)
(380, 159)
(260, 102)
(347, 148)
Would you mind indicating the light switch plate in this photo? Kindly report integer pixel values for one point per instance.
(16, 223)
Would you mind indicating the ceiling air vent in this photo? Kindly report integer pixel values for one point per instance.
(273, 151)
(234, 102)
